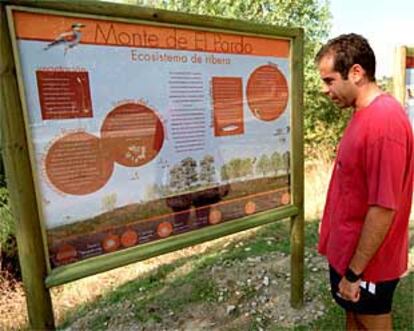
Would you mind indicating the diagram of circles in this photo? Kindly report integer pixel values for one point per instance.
(78, 164)
(133, 133)
(267, 93)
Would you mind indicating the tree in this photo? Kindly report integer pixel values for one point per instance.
(386, 83)
(2, 172)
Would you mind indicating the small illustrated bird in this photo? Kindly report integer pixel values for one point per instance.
(69, 39)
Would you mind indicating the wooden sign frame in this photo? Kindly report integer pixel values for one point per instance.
(38, 275)
(403, 63)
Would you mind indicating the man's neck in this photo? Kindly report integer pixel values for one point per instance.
(366, 94)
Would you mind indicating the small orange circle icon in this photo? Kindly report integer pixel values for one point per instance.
(215, 216)
(129, 238)
(111, 243)
(285, 199)
(249, 207)
(164, 229)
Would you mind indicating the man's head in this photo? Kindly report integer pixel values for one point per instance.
(345, 64)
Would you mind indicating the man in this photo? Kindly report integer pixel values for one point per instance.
(364, 229)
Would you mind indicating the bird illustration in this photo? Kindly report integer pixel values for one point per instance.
(69, 39)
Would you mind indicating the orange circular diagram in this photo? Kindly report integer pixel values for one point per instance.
(267, 93)
(133, 133)
(215, 216)
(111, 243)
(164, 229)
(66, 252)
(77, 164)
(285, 199)
(249, 208)
(129, 238)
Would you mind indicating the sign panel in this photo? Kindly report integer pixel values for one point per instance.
(409, 82)
(140, 131)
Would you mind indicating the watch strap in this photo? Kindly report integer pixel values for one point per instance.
(351, 276)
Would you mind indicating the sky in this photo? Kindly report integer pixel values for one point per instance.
(385, 23)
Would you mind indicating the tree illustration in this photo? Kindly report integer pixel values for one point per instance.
(224, 172)
(286, 161)
(189, 169)
(277, 162)
(177, 178)
(207, 169)
(247, 167)
(237, 168)
(264, 165)
(109, 202)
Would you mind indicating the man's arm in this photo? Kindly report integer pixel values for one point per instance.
(376, 226)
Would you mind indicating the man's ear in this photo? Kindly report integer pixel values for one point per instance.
(356, 74)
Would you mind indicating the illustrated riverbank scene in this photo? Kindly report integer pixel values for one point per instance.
(139, 132)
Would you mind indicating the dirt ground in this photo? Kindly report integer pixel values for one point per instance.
(254, 290)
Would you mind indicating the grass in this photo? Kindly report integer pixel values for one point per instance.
(169, 290)
(159, 288)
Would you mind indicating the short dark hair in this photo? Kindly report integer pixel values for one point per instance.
(349, 49)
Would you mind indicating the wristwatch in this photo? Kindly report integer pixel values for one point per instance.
(351, 276)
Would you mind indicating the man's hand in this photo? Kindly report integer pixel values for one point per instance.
(349, 291)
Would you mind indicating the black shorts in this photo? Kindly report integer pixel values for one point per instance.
(375, 299)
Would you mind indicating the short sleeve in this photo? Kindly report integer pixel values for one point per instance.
(385, 168)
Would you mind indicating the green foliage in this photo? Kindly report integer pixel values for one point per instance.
(386, 84)
(7, 224)
(2, 172)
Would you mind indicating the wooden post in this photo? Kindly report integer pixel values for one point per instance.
(21, 188)
(297, 222)
(399, 74)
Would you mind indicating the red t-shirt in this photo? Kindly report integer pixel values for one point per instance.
(374, 167)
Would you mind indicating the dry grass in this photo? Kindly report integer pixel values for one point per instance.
(317, 175)
(13, 311)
